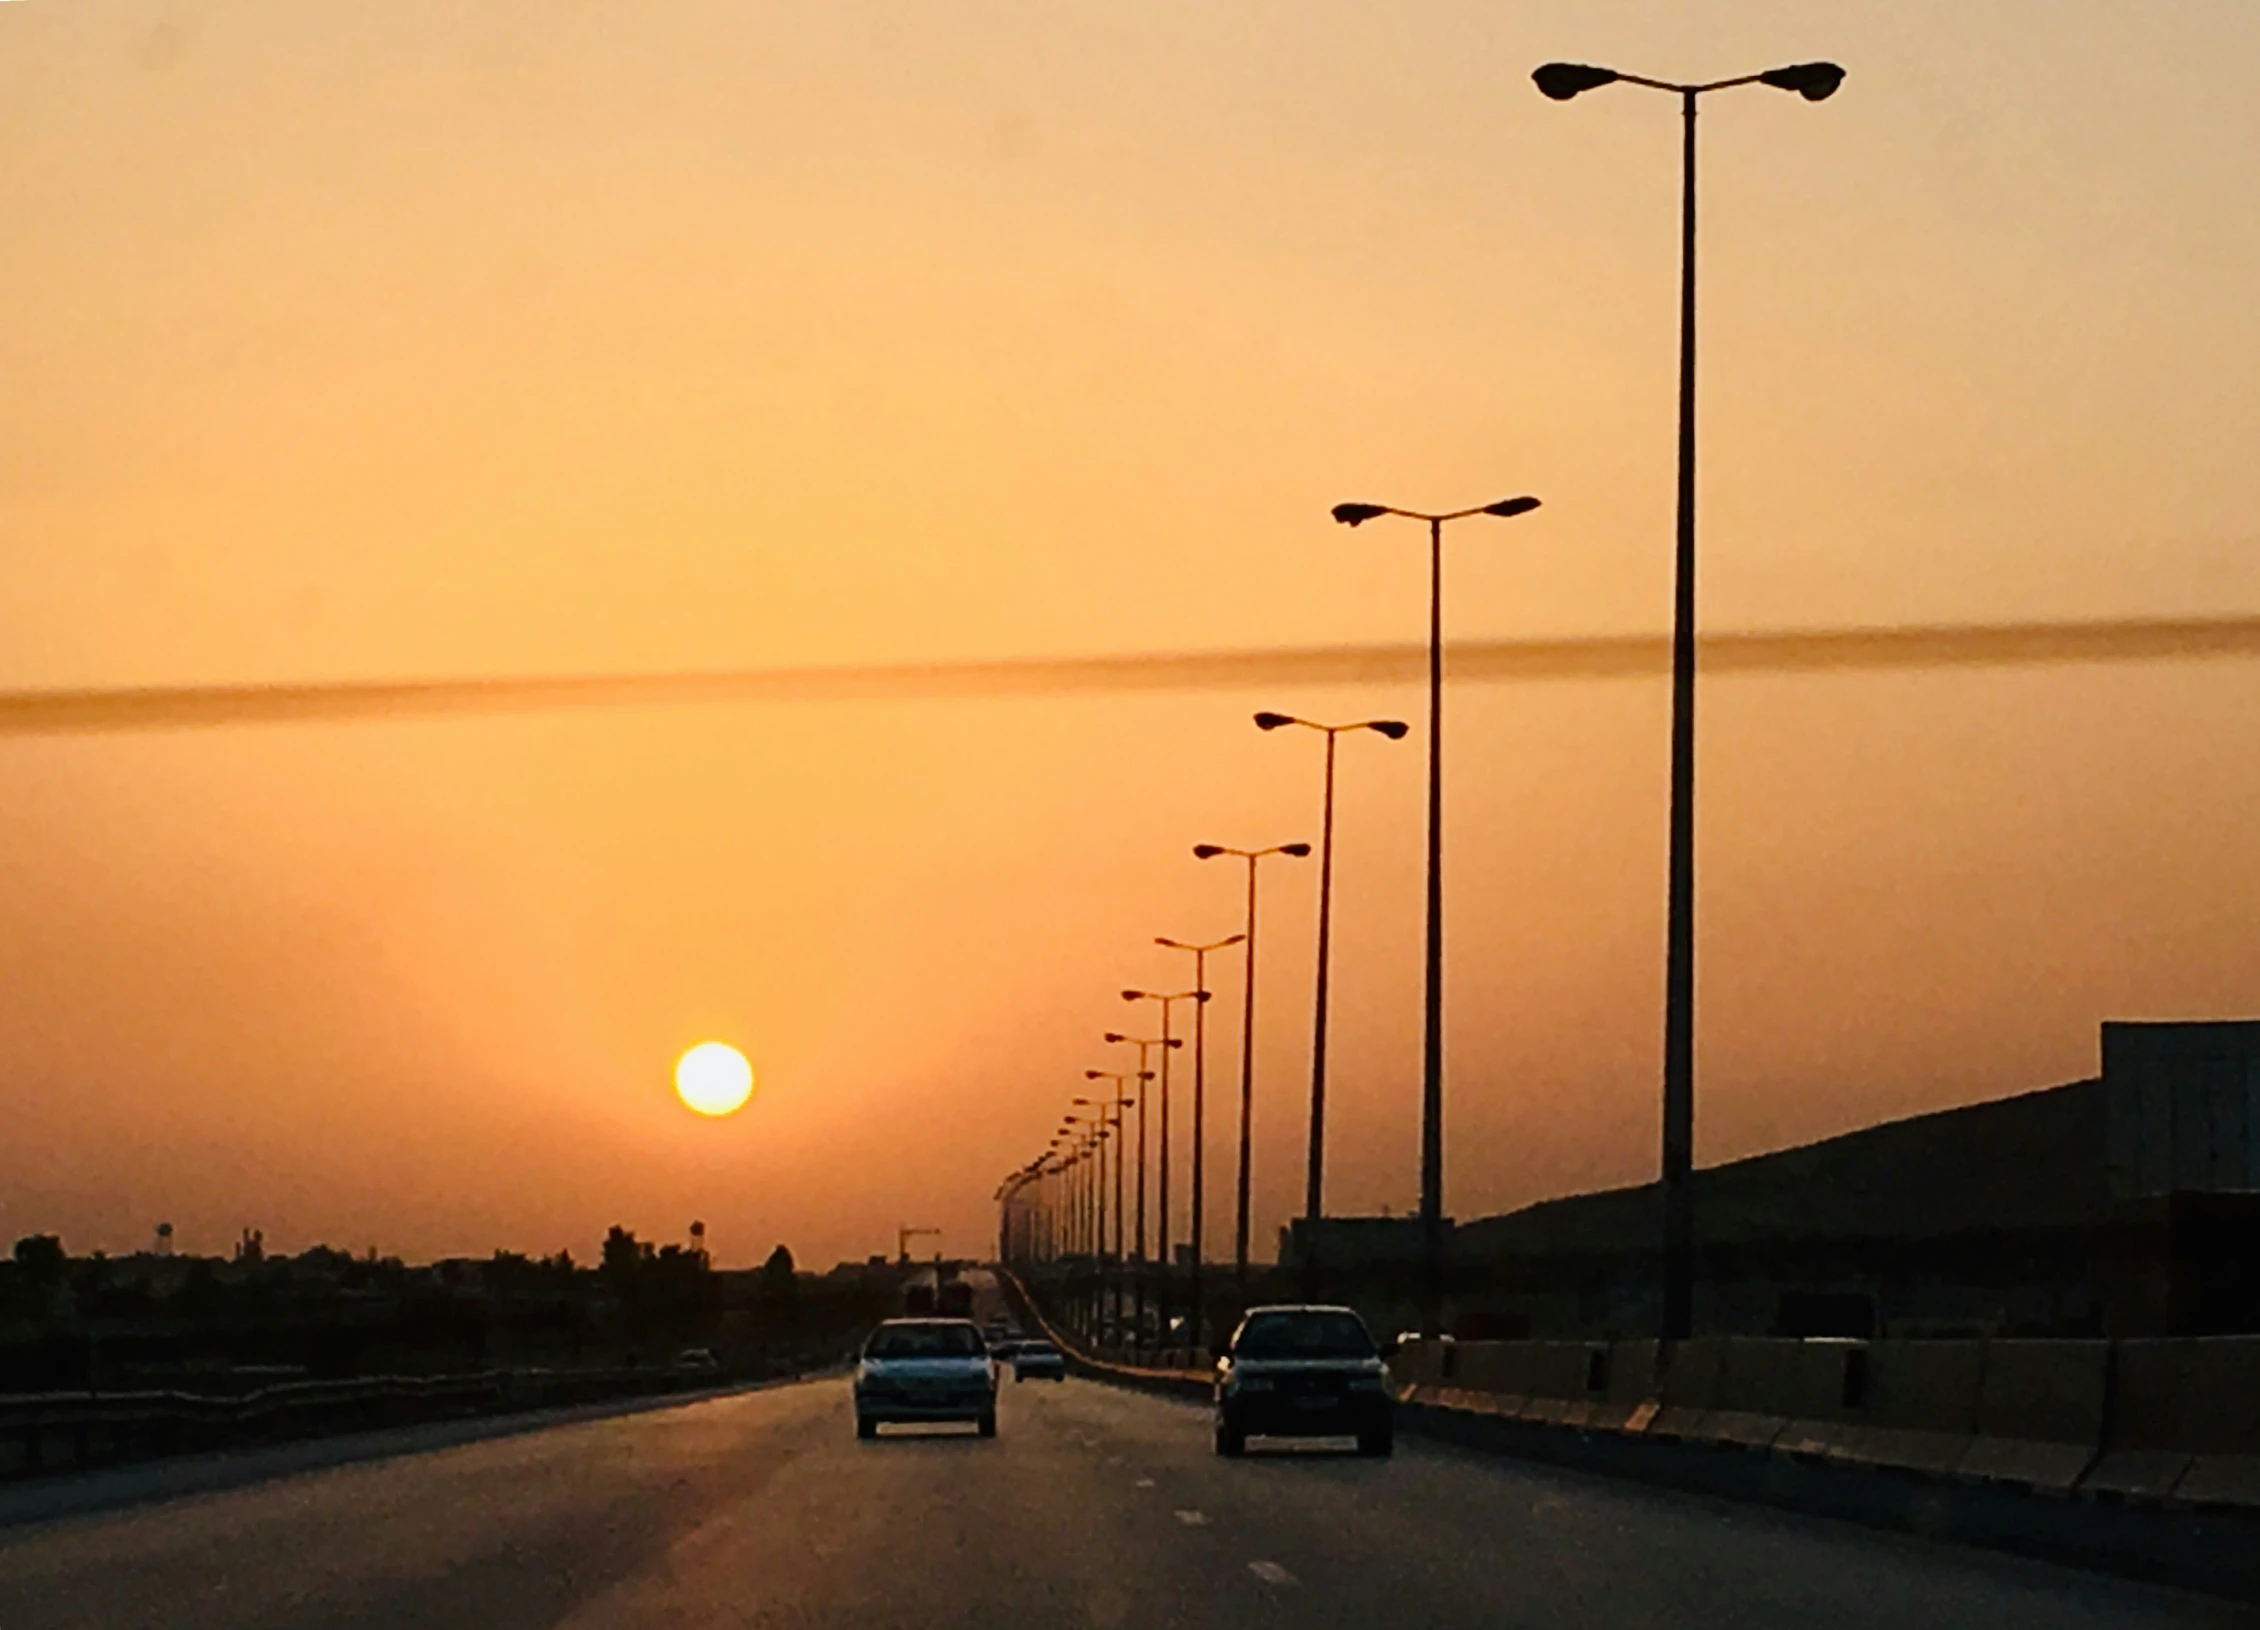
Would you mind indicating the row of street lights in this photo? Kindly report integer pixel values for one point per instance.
(1558, 81)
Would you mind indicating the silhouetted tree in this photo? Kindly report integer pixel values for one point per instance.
(623, 1255)
(41, 1258)
(777, 1273)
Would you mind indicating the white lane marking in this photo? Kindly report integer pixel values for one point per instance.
(1271, 1573)
(1145, 1482)
(1193, 1519)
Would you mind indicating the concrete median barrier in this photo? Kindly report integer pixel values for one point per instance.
(2220, 1421)
(1751, 1382)
(1689, 1390)
(1813, 1385)
(1620, 1391)
(2184, 1422)
(1919, 1404)
(2146, 1446)
(1500, 1367)
(1553, 1376)
(2040, 1413)
(1417, 1364)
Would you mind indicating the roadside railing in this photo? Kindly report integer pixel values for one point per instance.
(49, 1432)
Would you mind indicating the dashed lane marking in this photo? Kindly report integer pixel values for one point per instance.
(1271, 1573)
(1145, 1482)
(1193, 1519)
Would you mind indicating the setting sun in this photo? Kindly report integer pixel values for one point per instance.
(714, 1078)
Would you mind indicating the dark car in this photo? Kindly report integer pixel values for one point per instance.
(1302, 1371)
(1038, 1359)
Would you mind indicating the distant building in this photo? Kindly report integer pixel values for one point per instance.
(1351, 1243)
(2182, 1107)
(2129, 1202)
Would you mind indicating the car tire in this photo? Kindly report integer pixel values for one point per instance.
(866, 1427)
(1231, 1441)
(989, 1424)
(1378, 1443)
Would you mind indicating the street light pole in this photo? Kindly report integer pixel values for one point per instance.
(1138, 1249)
(1315, 1179)
(1168, 1044)
(1209, 851)
(1197, 1222)
(1559, 81)
(1432, 987)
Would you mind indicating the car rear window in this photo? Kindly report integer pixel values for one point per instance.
(925, 1341)
(1303, 1335)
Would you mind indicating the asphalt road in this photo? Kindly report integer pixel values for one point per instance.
(1094, 1507)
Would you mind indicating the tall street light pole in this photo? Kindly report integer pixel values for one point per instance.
(1815, 82)
(1197, 1222)
(1072, 1132)
(1138, 1247)
(1080, 1227)
(1098, 1141)
(1169, 1044)
(1315, 1181)
(1432, 1025)
(1209, 851)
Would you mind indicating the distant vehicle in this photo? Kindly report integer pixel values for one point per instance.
(925, 1370)
(1303, 1371)
(955, 1300)
(1039, 1359)
(697, 1361)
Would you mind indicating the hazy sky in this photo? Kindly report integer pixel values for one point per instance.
(345, 339)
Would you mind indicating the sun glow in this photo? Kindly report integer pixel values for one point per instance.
(714, 1078)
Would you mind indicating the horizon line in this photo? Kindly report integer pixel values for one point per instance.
(111, 710)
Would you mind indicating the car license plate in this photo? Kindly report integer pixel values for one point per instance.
(1315, 1400)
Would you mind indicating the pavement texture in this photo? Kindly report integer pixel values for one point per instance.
(1094, 1507)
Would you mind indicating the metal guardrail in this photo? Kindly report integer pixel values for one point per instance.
(60, 1431)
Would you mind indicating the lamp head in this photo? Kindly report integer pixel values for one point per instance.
(1394, 729)
(1116, 1035)
(1508, 508)
(1298, 850)
(1814, 81)
(1091, 1075)
(1207, 851)
(1358, 514)
(1272, 721)
(1559, 81)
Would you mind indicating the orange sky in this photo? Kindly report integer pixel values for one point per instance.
(355, 340)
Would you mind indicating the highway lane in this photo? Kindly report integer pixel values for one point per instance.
(1095, 1507)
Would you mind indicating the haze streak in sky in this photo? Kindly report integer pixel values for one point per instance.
(195, 707)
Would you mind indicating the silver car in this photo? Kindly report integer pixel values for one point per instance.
(925, 1370)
